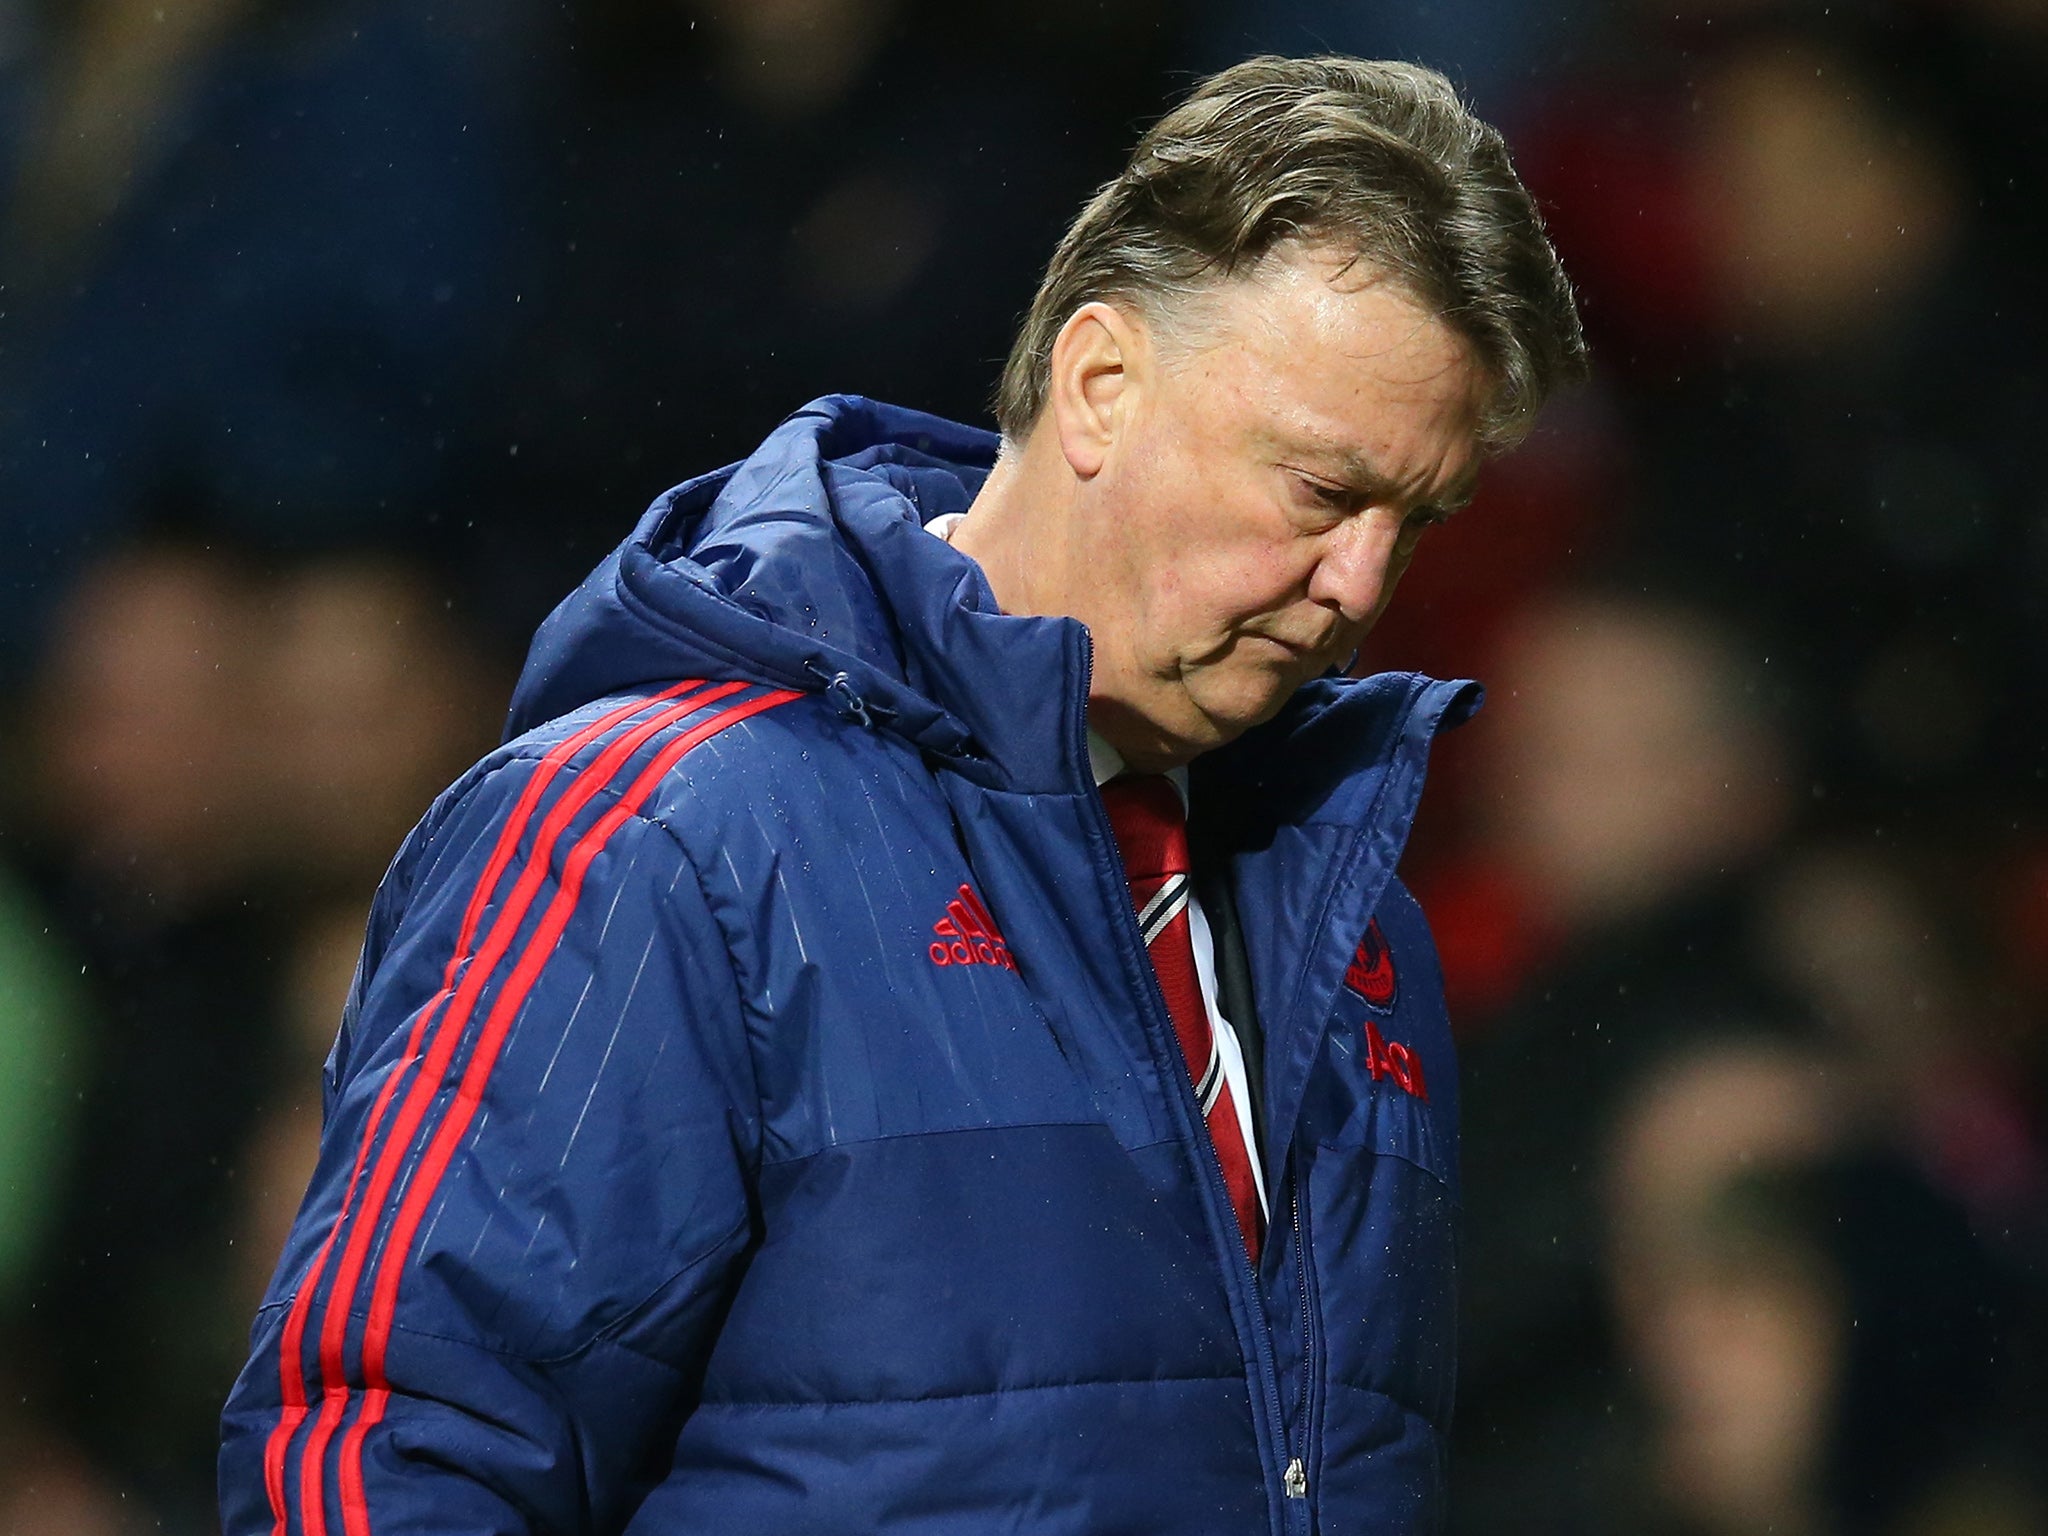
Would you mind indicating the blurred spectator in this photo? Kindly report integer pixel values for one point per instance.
(1807, 238)
(374, 699)
(1637, 757)
(147, 727)
(224, 759)
(147, 763)
(251, 253)
(1631, 789)
(1631, 758)
(48, 1489)
(1733, 1353)
(1818, 1337)
(1829, 360)
(1929, 1044)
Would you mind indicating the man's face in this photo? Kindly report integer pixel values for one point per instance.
(1264, 492)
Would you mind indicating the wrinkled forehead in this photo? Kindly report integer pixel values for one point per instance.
(1328, 370)
(1329, 319)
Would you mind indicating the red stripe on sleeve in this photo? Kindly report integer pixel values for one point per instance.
(469, 1094)
(291, 1347)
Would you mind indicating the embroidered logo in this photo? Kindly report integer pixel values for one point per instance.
(1371, 972)
(968, 935)
(1390, 1058)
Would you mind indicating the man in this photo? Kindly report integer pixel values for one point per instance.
(758, 1108)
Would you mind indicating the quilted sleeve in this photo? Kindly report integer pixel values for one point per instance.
(532, 1192)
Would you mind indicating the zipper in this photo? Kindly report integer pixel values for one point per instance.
(1296, 1480)
(1294, 1473)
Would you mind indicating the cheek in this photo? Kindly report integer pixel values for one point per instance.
(1202, 554)
(1188, 615)
(1230, 576)
(1177, 615)
(1244, 601)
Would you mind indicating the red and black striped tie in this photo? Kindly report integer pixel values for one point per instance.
(1151, 829)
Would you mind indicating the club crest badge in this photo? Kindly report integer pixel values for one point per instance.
(1371, 972)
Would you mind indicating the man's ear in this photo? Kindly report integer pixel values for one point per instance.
(1097, 358)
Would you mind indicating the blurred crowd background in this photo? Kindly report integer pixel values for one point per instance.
(338, 338)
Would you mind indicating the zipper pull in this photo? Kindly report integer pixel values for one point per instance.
(1294, 1481)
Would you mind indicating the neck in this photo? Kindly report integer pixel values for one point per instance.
(1027, 530)
(1019, 530)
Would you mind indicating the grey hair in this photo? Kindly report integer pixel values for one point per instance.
(1380, 161)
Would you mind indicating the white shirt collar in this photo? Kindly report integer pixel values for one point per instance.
(1104, 759)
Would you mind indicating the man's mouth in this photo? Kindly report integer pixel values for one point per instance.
(1299, 650)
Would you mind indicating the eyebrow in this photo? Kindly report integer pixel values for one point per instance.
(1359, 474)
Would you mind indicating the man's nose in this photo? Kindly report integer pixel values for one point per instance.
(1360, 564)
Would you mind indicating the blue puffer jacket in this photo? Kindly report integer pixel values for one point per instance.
(755, 1111)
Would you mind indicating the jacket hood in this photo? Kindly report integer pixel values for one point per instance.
(805, 566)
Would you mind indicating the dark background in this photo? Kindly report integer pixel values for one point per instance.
(338, 338)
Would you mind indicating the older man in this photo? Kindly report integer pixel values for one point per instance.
(816, 1076)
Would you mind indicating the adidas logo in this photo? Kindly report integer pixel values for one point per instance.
(968, 935)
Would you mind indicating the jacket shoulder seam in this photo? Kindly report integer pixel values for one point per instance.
(738, 996)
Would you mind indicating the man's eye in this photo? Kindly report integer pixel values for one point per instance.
(1419, 522)
(1336, 497)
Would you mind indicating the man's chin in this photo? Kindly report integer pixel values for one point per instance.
(1207, 719)
(1228, 715)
